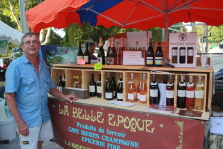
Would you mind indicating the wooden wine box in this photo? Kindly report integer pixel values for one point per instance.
(86, 70)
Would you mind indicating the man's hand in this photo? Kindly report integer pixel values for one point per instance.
(70, 98)
(23, 128)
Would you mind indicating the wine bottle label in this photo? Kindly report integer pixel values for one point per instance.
(181, 93)
(182, 52)
(190, 84)
(91, 88)
(80, 57)
(169, 93)
(190, 94)
(152, 83)
(131, 96)
(119, 95)
(149, 60)
(86, 59)
(159, 61)
(169, 84)
(199, 94)
(138, 95)
(182, 84)
(142, 98)
(200, 85)
(190, 52)
(99, 60)
(174, 52)
(153, 92)
(110, 60)
(60, 88)
(108, 95)
(98, 89)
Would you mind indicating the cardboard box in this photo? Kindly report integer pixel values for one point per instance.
(134, 57)
(80, 93)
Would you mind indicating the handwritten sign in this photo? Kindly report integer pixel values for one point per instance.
(93, 127)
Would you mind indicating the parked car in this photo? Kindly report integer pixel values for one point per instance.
(4, 62)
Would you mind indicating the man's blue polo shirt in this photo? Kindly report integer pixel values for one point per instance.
(30, 89)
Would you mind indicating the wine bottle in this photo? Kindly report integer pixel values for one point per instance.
(113, 84)
(64, 80)
(143, 90)
(159, 55)
(80, 54)
(153, 92)
(190, 55)
(132, 89)
(87, 56)
(190, 94)
(181, 93)
(199, 95)
(150, 54)
(120, 89)
(108, 89)
(92, 86)
(74, 79)
(174, 54)
(182, 55)
(139, 87)
(113, 53)
(99, 86)
(170, 92)
(101, 54)
(120, 54)
(108, 51)
(60, 83)
(76, 82)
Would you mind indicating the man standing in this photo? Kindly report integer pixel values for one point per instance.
(27, 83)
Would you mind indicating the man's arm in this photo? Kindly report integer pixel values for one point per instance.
(22, 126)
(54, 92)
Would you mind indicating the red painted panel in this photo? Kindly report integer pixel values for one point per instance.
(83, 126)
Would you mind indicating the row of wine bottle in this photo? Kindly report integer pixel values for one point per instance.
(86, 55)
(61, 83)
(182, 55)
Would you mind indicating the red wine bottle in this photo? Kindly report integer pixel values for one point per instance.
(92, 86)
(190, 55)
(150, 55)
(87, 56)
(170, 92)
(99, 86)
(174, 54)
(80, 54)
(159, 55)
(182, 55)
(101, 54)
(153, 92)
(120, 89)
(108, 89)
(181, 93)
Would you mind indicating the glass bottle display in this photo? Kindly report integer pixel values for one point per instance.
(108, 89)
(132, 89)
(199, 95)
(159, 55)
(153, 92)
(181, 93)
(150, 54)
(190, 94)
(170, 92)
(92, 86)
(120, 89)
(87, 56)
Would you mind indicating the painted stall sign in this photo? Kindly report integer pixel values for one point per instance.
(91, 127)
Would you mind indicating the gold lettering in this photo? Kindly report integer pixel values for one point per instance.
(64, 111)
(110, 117)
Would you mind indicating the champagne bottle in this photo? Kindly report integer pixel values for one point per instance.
(181, 93)
(190, 94)
(139, 87)
(174, 54)
(99, 86)
(120, 54)
(153, 92)
(120, 89)
(101, 54)
(182, 55)
(113, 84)
(132, 89)
(159, 55)
(92, 86)
(108, 89)
(190, 55)
(170, 92)
(60, 83)
(150, 55)
(80, 54)
(199, 95)
(143, 90)
(87, 56)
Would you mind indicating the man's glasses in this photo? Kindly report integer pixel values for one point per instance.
(28, 43)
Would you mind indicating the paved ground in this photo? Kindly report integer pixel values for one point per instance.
(216, 61)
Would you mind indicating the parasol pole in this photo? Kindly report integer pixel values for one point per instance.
(166, 21)
(23, 16)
